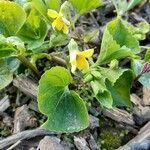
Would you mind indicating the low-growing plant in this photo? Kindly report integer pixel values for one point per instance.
(35, 29)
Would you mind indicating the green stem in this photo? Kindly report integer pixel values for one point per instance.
(28, 64)
(51, 57)
(74, 21)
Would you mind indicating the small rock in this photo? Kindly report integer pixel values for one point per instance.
(50, 143)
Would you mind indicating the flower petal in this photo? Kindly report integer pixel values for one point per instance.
(87, 53)
(52, 13)
(66, 21)
(82, 63)
(73, 68)
(65, 29)
(58, 24)
(73, 62)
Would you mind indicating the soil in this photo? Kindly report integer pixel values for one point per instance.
(108, 130)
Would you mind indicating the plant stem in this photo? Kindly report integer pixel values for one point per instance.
(28, 64)
(74, 22)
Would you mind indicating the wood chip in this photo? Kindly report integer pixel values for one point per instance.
(119, 115)
(4, 103)
(23, 119)
(146, 96)
(136, 100)
(141, 114)
(28, 134)
(92, 143)
(94, 122)
(33, 105)
(81, 143)
(144, 135)
(26, 85)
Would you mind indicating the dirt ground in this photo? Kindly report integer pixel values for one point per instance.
(109, 129)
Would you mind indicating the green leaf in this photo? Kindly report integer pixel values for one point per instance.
(58, 39)
(11, 46)
(120, 91)
(85, 6)
(73, 46)
(106, 82)
(101, 92)
(124, 5)
(6, 76)
(65, 110)
(134, 3)
(121, 6)
(147, 55)
(12, 18)
(140, 31)
(91, 36)
(13, 63)
(117, 43)
(42, 7)
(53, 4)
(137, 66)
(34, 30)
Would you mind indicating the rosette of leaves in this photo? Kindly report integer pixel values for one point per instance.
(65, 110)
(112, 85)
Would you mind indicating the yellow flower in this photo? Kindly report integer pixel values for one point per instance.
(60, 22)
(78, 59)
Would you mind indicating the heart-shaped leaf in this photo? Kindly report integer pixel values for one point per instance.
(12, 18)
(65, 110)
(117, 43)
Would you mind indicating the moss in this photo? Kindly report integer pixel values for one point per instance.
(5, 131)
(109, 139)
